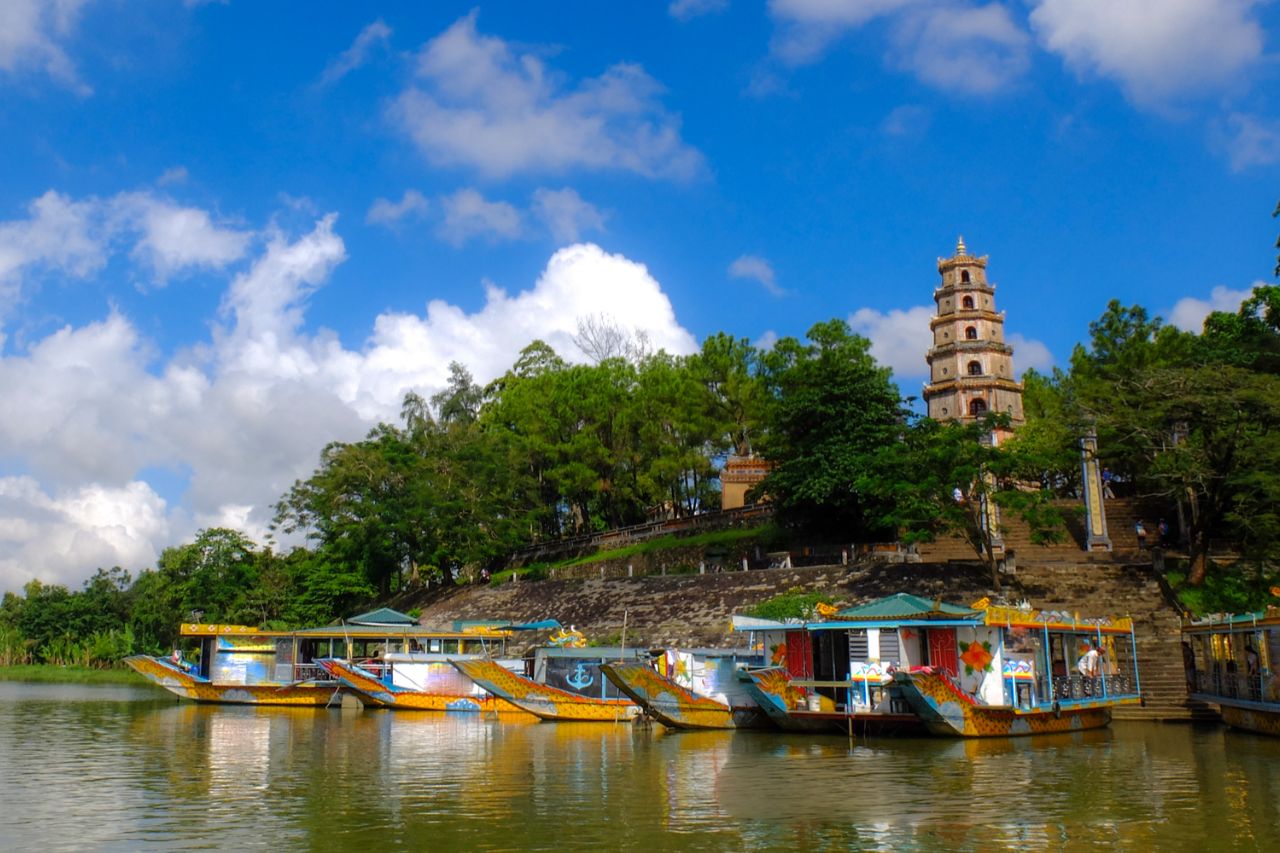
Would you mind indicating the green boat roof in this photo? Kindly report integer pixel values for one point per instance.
(905, 606)
(381, 617)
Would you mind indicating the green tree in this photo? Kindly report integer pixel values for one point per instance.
(917, 477)
(831, 408)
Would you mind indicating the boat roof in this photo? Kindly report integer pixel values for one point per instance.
(382, 617)
(1220, 621)
(903, 605)
(604, 653)
(201, 629)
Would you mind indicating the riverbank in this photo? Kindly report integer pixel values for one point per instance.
(47, 673)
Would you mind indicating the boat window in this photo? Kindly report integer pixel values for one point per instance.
(858, 647)
(433, 645)
(890, 646)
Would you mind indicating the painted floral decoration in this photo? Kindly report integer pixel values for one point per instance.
(976, 657)
(778, 654)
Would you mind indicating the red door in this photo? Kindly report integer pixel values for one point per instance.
(942, 650)
(799, 654)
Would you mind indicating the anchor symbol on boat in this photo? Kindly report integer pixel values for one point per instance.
(580, 678)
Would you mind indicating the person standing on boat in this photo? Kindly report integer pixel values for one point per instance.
(1088, 666)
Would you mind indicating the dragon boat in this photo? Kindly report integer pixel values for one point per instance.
(425, 679)
(560, 684)
(692, 689)
(904, 664)
(1007, 671)
(1231, 662)
(240, 664)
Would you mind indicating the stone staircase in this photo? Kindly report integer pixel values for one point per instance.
(1122, 513)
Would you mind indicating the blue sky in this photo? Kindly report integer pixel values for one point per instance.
(231, 232)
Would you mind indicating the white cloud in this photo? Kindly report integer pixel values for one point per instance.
(807, 28)
(59, 234)
(482, 105)
(1029, 353)
(31, 36)
(977, 50)
(1189, 312)
(468, 215)
(90, 410)
(373, 36)
(74, 238)
(1156, 49)
(948, 44)
(1249, 141)
(899, 339)
(565, 214)
(758, 269)
(173, 175)
(64, 537)
(907, 120)
(386, 212)
(686, 9)
(173, 239)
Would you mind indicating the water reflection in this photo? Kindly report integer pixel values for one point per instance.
(88, 768)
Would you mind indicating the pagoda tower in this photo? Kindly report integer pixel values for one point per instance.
(970, 365)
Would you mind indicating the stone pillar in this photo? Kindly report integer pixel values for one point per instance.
(1094, 507)
(990, 511)
(991, 516)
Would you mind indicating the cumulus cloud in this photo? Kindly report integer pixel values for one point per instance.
(758, 269)
(386, 212)
(1029, 353)
(92, 410)
(956, 46)
(899, 338)
(32, 33)
(565, 214)
(64, 537)
(73, 238)
(479, 103)
(59, 234)
(686, 9)
(173, 239)
(371, 38)
(1248, 141)
(1155, 49)
(468, 215)
(977, 50)
(1190, 312)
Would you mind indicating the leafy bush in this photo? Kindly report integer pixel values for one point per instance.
(795, 603)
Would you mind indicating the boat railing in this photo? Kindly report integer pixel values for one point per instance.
(1076, 687)
(310, 672)
(1230, 685)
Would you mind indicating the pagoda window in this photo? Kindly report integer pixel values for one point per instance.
(975, 368)
(977, 407)
(964, 276)
(968, 302)
(971, 333)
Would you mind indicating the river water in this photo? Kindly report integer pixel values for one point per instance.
(121, 768)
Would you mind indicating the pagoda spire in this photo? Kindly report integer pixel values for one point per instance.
(960, 249)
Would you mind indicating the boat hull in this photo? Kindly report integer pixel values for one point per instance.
(376, 692)
(787, 706)
(1265, 721)
(948, 712)
(545, 703)
(676, 706)
(188, 686)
